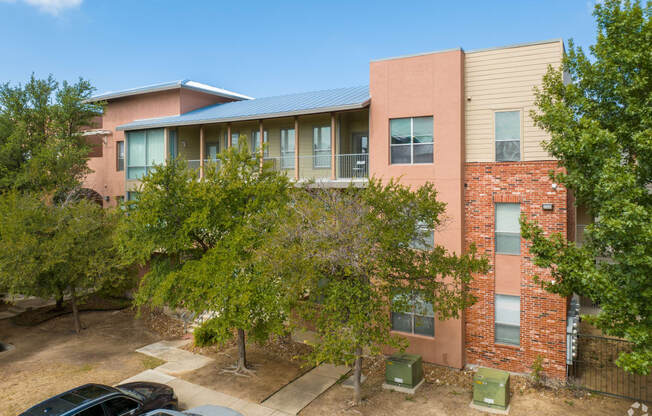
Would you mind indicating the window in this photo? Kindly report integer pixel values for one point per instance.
(145, 149)
(255, 142)
(425, 237)
(133, 196)
(120, 406)
(235, 137)
(92, 411)
(508, 229)
(411, 140)
(287, 148)
(321, 145)
(508, 136)
(120, 154)
(417, 317)
(212, 150)
(508, 320)
(172, 144)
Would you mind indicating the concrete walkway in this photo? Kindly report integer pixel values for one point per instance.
(190, 394)
(302, 391)
(287, 401)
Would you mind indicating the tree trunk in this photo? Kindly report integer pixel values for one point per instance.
(357, 375)
(59, 304)
(242, 352)
(75, 311)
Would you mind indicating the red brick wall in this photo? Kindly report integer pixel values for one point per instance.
(543, 315)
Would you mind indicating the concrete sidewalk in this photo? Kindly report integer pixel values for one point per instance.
(287, 401)
(302, 391)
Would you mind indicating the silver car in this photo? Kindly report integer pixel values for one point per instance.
(206, 410)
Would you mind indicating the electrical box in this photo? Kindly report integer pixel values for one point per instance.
(404, 370)
(491, 388)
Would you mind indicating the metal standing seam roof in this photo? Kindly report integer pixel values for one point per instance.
(268, 107)
(164, 86)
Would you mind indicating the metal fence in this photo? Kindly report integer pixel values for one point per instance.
(595, 369)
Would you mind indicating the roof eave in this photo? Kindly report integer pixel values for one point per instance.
(113, 96)
(356, 106)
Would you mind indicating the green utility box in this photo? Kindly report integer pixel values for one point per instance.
(491, 388)
(404, 370)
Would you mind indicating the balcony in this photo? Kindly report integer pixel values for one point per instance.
(328, 147)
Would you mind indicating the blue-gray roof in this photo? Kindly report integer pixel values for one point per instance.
(163, 86)
(269, 107)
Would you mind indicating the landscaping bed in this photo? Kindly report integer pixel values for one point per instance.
(448, 392)
(93, 303)
(276, 363)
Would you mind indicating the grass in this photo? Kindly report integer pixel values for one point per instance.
(150, 363)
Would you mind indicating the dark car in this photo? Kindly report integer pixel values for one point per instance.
(129, 399)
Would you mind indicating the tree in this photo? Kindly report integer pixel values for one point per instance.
(200, 236)
(64, 249)
(352, 251)
(41, 147)
(600, 126)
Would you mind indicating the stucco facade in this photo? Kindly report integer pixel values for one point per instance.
(461, 92)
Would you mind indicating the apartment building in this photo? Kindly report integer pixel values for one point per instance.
(460, 119)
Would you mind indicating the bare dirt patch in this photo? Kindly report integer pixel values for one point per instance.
(276, 364)
(449, 392)
(50, 358)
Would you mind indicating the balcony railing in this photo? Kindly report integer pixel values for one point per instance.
(318, 166)
(352, 166)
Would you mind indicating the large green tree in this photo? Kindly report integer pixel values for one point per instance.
(61, 249)
(41, 146)
(598, 111)
(200, 237)
(355, 251)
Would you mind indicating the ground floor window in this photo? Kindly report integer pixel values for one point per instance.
(413, 315)
(508, 320)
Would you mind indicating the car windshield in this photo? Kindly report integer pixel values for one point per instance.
(132, 393)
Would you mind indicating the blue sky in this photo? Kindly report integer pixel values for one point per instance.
(260, 48)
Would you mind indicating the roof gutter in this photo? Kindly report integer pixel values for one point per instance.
(154, 124)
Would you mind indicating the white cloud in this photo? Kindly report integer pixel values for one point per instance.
(50, 6)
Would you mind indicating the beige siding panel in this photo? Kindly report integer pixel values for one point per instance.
(504, 79)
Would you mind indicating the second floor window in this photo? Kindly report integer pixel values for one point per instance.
(287, 148)
(255, 142)
(235, 139)
(508, 229)
(145, 149)
(321, 145)
(411, 140)
(424, 238)
(507, 126)
(120, 155)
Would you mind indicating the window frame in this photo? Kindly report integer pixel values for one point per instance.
(506, 233)
(254, 137)
(506, 324)
(319, 128)
(415, 296)
(521, 133)
(412, 144)
(118, 144)
(147, 166)
(286, 161)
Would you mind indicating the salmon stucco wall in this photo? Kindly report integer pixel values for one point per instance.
(426, 85)
(105, 178)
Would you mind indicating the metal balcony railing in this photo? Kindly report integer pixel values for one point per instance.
(352, 166)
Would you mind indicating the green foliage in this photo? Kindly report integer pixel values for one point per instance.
(349, 250)
(601, 131)
(200, 237)
(54, 250)
(537, 371)
(41, 148)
